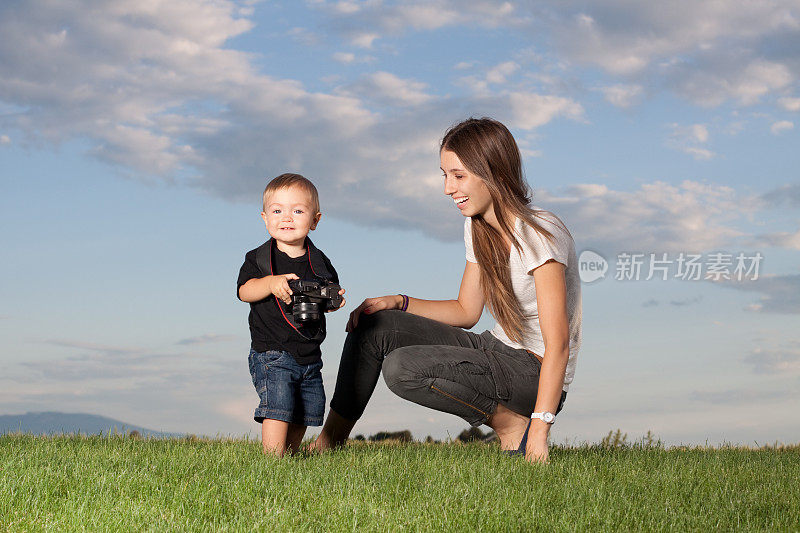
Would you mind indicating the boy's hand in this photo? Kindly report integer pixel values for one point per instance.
(341, 293)
(279, 286)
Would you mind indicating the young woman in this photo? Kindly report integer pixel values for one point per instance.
(521, 265)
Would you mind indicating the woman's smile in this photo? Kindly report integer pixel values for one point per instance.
(461, 202)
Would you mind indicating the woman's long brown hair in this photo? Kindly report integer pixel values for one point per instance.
(488, 150)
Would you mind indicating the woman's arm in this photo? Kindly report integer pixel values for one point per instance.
(551, 297)
(463, 312)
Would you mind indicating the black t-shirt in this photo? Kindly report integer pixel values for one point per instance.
(269, 330)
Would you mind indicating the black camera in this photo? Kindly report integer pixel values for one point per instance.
(312, 298)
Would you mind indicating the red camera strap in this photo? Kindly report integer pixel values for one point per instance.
(277, 302)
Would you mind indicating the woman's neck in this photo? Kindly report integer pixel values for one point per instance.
(491, 218)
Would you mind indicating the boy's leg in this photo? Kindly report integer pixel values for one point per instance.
(275, 374)
(294, 437)
(274, 436)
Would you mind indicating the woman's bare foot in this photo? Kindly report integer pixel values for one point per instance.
(509, 426)
(334, 433)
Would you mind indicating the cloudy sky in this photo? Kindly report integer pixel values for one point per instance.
(136, 136)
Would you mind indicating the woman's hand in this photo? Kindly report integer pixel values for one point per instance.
(372, 305)
(537, 450)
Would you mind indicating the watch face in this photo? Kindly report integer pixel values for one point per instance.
(548, 417)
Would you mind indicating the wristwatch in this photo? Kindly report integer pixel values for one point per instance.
(547, 417)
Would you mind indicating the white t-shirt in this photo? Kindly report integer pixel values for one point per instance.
(537, 250)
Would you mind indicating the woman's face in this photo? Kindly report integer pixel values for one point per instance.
(468, 191)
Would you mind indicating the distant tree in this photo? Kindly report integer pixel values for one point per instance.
(402, 436)
(135, 435)
(471, 434)
(359, 437)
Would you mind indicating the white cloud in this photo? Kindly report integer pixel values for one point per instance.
(387, 88)
(780, 239)
(155, 90)
(203, 108)
(622, 95)
(347, 7)
(790, 104)
(172, 390)
(779, 127)
(394, 19)
(658, 216)
(304, 36)
(344, 57)
(363, 39)
(689, 139)
(720, 81)
(784, 195)
(205, 339)
(708, 52)
(112, 72)
(779, 293)
(500, 73)
(699, 153)
(5, 139)
(531, 110)
(775, 361)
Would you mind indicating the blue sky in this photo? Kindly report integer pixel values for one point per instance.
(135, 139)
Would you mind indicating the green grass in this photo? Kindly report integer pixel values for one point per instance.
(117, 483)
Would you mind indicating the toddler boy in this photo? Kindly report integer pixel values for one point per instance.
(285, 358)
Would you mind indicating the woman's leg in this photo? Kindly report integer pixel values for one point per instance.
(362, 358)
(446, 378)
(294, 436)
(492, 384)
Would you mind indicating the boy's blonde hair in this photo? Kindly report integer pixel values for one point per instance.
(285, 181)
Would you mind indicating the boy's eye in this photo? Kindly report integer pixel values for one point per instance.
(298, 211)
(276, 211)
(459, 176)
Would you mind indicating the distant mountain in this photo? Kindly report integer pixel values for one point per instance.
(51, 423)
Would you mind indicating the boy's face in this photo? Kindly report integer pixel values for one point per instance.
(289, 216)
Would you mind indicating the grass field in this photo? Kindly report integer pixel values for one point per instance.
(119, 483)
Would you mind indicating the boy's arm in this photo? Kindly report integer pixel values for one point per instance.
(256, 289)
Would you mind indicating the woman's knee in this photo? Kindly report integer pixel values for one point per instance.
(401, 369)
(375, 333)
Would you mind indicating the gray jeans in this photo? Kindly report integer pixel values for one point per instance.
(435, 365)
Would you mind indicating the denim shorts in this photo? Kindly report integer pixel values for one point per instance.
(289, 391)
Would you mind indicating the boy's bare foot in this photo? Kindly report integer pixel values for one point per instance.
(334, 433)
(509, 426)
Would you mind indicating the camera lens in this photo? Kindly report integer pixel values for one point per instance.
(305, 311)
